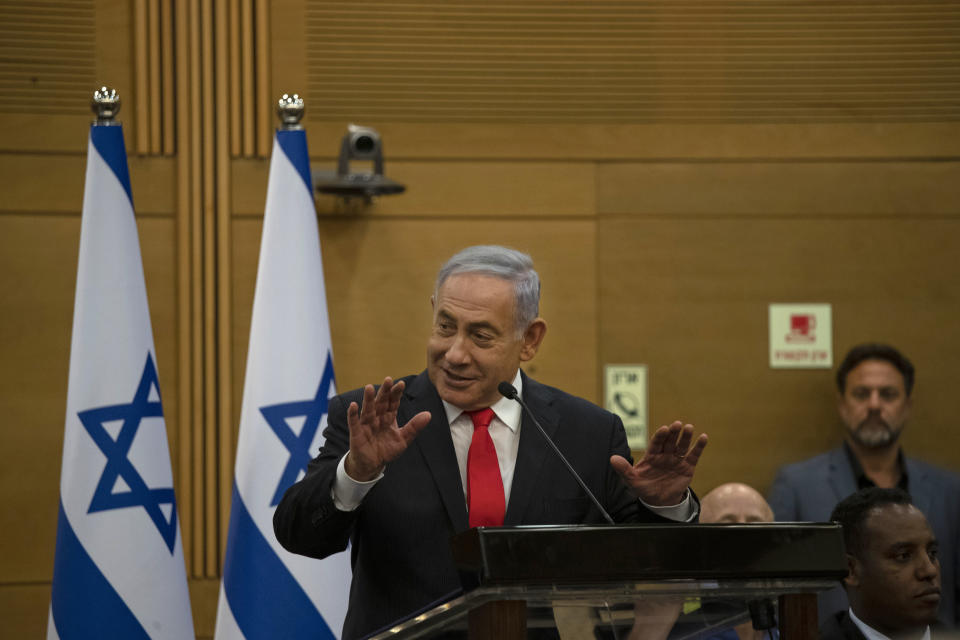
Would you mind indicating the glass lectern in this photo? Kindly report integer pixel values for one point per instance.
(627, 582)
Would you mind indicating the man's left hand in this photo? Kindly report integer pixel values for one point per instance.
(662, 476)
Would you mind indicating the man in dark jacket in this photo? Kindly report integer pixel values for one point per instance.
(893, 582)
(407, 465)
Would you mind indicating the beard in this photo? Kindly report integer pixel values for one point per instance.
(875, 433)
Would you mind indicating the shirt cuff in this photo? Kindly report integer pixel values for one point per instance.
(686, 511)
(348, 493)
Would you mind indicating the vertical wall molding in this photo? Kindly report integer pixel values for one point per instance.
(141, 72)
(153, 42)
(184, 224)
(222, 304)
(168, 111)
(263, 99)
(207, 36)
(244, 36)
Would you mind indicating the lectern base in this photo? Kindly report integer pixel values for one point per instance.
(501, 619)
(798, 616)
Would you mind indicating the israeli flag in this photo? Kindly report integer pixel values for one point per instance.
(266, 591)
(119, 570)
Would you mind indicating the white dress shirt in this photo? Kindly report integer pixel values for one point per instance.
(505, 433)
(872, 634)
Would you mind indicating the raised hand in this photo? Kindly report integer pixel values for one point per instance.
(375, 437)
(661, 477)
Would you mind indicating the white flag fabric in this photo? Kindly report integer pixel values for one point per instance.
(119, 570)
(266, 591)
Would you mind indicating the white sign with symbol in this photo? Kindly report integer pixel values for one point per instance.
(801, 336)
(625, 394)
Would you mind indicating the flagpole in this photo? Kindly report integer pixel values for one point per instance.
(266, 591)
(118, 563)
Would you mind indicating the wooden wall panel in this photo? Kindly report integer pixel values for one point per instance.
(25, 608)
(671, 167)
(689, 296)
(45, 55)
(486, 189)
(626, 141)
(781, 187)
(204, 596)
(55, 55)
(447, 189)
(27, 179)
(39, 263)
(655, 61)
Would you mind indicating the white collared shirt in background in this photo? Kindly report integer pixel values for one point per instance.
(872, 634)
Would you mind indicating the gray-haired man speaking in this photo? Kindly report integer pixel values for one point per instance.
(408, 464)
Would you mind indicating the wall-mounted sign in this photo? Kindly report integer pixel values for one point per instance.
(625, 394)
(801, 336)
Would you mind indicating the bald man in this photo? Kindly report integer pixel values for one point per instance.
(736, 503)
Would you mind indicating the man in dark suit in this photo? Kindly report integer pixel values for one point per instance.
(398, 493)
(894, 569)
(874, 384)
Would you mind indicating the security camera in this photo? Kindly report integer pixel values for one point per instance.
(359, 143)
(362, 142)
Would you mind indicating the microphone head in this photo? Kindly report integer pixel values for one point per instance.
(507, 390)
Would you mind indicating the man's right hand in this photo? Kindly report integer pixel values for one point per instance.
(375, 437)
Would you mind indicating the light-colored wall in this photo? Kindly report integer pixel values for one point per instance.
(662, 231)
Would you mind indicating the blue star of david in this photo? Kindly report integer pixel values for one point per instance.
(298, 445)
(118, 464)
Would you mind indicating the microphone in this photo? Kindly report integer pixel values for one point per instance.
(508, 391)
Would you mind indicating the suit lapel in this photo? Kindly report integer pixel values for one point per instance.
(850, 630)
(436, 446)
(840, 475)
(532, 450)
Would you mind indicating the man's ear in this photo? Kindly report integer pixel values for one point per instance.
(853, 572)
(532, 338)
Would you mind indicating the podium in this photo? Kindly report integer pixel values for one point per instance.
(634, 581)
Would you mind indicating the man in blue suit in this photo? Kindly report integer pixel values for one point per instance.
(874, 383)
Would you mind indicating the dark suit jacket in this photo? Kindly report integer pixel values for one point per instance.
(839, 626)
(809, 490)
(400, 534)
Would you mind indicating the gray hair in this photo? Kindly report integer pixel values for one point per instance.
(504, 263)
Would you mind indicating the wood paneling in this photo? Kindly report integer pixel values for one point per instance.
(658, 61)
(672, 168)
(598, 143)
(73, 47)
(27, 176)
(204, 596)
(154, 73)
(451, 189)
(222, 427)
(780, 188)
(264, 42)
(45, 61)
(25, 608)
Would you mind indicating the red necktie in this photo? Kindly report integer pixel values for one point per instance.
(485, 500)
